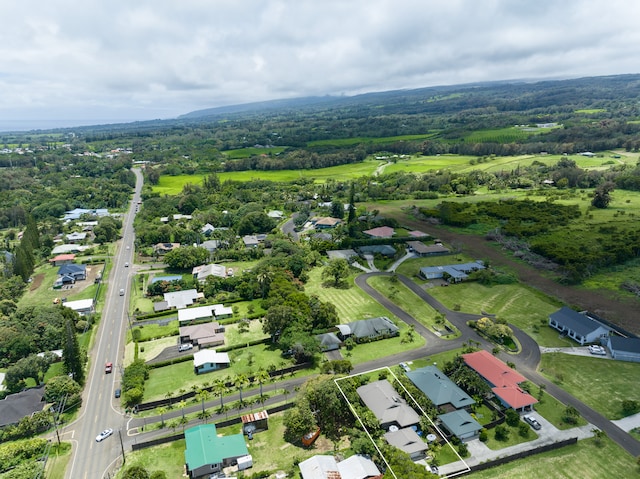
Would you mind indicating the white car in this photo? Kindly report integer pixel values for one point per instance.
(185, 347)
(104, 434)
(598, 350)
(533, 422)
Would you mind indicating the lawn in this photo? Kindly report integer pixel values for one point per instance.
(513, 438)
(165, 457)
(600, 383)
(233, 335)
(351, 303)
(170, 379)
(584, 460)
(399, 294)
(519, 305)
(365, 352)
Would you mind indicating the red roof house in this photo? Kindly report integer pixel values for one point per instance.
(62, 259)
(504, 380)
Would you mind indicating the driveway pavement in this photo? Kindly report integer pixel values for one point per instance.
(628, 423)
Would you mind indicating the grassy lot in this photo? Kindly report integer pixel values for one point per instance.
(600, 383)
(524, 307)
(233, 335)
(165, 457)
(399, 294)
(59, 457)
(584, 460)
(248, 152)
(513, 439)
(181, 376)
(351, 303)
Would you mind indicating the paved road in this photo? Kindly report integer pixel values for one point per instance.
(90, 460)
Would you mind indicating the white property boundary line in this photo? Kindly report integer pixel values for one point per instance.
(353, 411)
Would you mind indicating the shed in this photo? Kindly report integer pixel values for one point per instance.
(624, 349)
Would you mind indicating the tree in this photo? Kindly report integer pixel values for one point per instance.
(59, 387)
(277, 319)
(262, 376)
(186, 257)
(602, 195)
(162, 410)
(298, 421)
(220, 388)
(240, 382)
(71, 354)
(337, 270)
(135, 472)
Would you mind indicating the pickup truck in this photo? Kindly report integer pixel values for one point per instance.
(108, 368)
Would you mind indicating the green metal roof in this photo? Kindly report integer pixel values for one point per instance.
(204, 446)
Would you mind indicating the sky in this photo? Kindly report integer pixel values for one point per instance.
(71, 62)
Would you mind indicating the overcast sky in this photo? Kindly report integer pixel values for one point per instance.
(124, 60)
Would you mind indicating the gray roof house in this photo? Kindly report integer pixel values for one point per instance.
(454, 273)
(387, 405)
(16, 406)
(326, 467)
(624, 349)
(578, 326)
(460, 424)
(439, 388)
(407, 440)
(328, 341)
(371, 328)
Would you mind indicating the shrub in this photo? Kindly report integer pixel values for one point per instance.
(484, 436)
(501, 432)
(523, 429)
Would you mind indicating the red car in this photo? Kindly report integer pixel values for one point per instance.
(108, 368)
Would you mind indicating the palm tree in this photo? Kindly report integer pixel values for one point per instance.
(240, 382)
(162, 410)
(182, 404)
(262, 376)
(286, 393)
(220, 388)
(203, 395)
(168, 396)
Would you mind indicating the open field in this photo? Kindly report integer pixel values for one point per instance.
(355, 141)
(364, 352)
(599, 383)
(351, 304)
(585, 460)
(248, 152)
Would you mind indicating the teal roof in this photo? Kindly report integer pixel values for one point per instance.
(204, 446)
(439, 388)
(460, 423)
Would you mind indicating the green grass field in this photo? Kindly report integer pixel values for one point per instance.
(249, 152)
(351, 304)
(585, 460)
(599, 383)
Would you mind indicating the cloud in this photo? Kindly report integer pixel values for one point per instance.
(159, 58)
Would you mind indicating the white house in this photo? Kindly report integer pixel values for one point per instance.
(209, 360)
(578, 326)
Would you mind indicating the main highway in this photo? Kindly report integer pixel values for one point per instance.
(100, 410)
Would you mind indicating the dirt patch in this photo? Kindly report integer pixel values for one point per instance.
(609, 305)
(37, 281)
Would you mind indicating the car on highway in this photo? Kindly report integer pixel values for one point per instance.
(108, 368)
(122, 292)
(117, 393)
(104, 434)
(532, 421)
(126, 265)
(597, 350)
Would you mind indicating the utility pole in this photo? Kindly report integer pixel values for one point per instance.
(121, 445)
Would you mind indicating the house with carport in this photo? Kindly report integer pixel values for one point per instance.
(407, 440)
(460, 424)
(578, 326)
(368, 329)
(203, 335)
(504, 381)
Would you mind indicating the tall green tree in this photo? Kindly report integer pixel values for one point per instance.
(71, 353)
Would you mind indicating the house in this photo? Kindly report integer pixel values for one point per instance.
(163, 248)
(160, 306)
(387, 405)
(250, 241)
(75, 214)
(181, 299)
(328, 341)
(69, 248)
(178, 217)
(211, 245)
(201, 273)
(407, 440)
(624, 349)
(460, 424)
(578, 326)
(16, 406)
(193, 314)
(207, 453)
(381, 249)
(202, 335)
(326, 222)
(326, 467)
(275, 214)
(77, 271)
(342, 254)
(421, 249)
(63, 280)
(440, 390)
(372, 328)
(207, 229)
(453, 273)
(81, 306)
(222, 312)
(504, 381)
(209, 360)
(61, 259)
(255, 422)
(74, 238)
(380, 232)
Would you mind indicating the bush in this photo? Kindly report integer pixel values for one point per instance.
(512, 417)
(523, 429)
(484, 436)
(501, 432)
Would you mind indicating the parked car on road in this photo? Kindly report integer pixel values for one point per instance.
(117, 393)
(532, 421)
